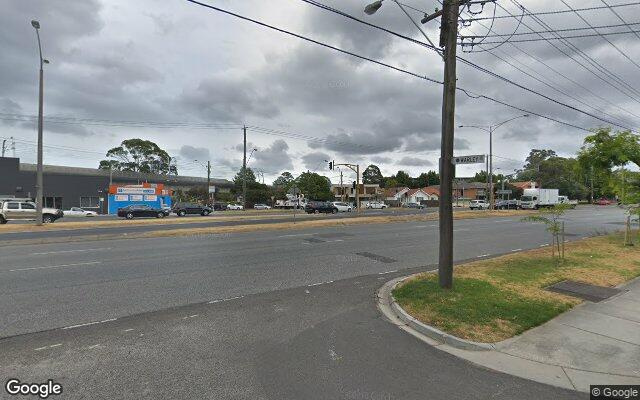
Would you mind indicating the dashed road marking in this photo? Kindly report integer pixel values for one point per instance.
(514, 250)
(544, 245)
(93, 346)
(70, 251)
(48, 347)
(55, 266)
(387, 272)
(227, 299)
(190, 316)
(89, 323)
(128, 330)
(319, 283)
(483, 255)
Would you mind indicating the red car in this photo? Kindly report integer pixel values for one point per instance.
(604, 202)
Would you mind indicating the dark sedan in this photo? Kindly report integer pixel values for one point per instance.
(182, 209)
(316, 207)
(141, 210)
(414, 205)
(507, 205)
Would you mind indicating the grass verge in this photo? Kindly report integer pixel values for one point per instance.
(495, 299)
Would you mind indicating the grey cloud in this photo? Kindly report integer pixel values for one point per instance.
(191, 153)
(381, 160)
(273, 159)
(313, 160)
(227, 99)
(414, 162)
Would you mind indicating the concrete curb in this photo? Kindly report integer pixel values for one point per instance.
(492, 356)
(429, 330)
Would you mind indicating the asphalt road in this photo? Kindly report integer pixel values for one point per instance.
(261, 315)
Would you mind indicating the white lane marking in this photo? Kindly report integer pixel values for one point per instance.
(434, 225)
(70, 251)
(190, 316)
(333, 241)
(93, 346)
(483, 255)
(387, 272)
(514, 250)
(319, 283)
(89, 323)
(543, 245)
(227, 299)
(422, 226)
(128, 330)
(48, 347)
(297, 234)
(55, 266)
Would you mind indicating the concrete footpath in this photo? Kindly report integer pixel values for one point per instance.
(594, 343)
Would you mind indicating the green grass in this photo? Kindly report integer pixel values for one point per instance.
(498, 298)
(472, 303)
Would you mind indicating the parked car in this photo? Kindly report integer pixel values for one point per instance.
(182, 209)
(79, 212)
(604, 202)
(342, 206)
(219, 206)
(414, 205)
(235, 207)
(141, 210)
(478, 205)
(507, 205)
(316, 207)
(261, 207)
(376, 205)
(565, 200)
(26, 210)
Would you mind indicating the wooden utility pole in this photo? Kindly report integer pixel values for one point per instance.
(244, 171)
(448, 39)
(209, 181)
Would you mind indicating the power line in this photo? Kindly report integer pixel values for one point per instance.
(611, 7)
(557, 30)
(585, 35)
(568, 44)
(549, 67)
(465, 61)
(558, 11)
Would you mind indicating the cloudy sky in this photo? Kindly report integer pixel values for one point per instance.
(176, 63)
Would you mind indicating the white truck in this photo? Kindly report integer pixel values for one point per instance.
(533, 199)
(292, 201)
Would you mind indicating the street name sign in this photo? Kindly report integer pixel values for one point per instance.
(476, 159)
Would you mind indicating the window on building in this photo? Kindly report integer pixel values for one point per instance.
(52, 202)
(89, 202)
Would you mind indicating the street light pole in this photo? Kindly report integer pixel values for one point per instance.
(490, 129)
(39, 179)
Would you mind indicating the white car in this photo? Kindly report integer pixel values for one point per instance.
(79, 212)
(342, 207)
(376, 205)
(261, 207)
(478, 205)
(235, 207)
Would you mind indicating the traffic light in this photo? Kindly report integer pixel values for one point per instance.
(354, 185)
(331, 163)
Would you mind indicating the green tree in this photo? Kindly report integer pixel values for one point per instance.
(284, 179)
(251, 178)
(536, 157)
(403, 179)
(606, 150)
(372, 175)
(315, 186)
(551, 217)
(138, 155)
(565, 174)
